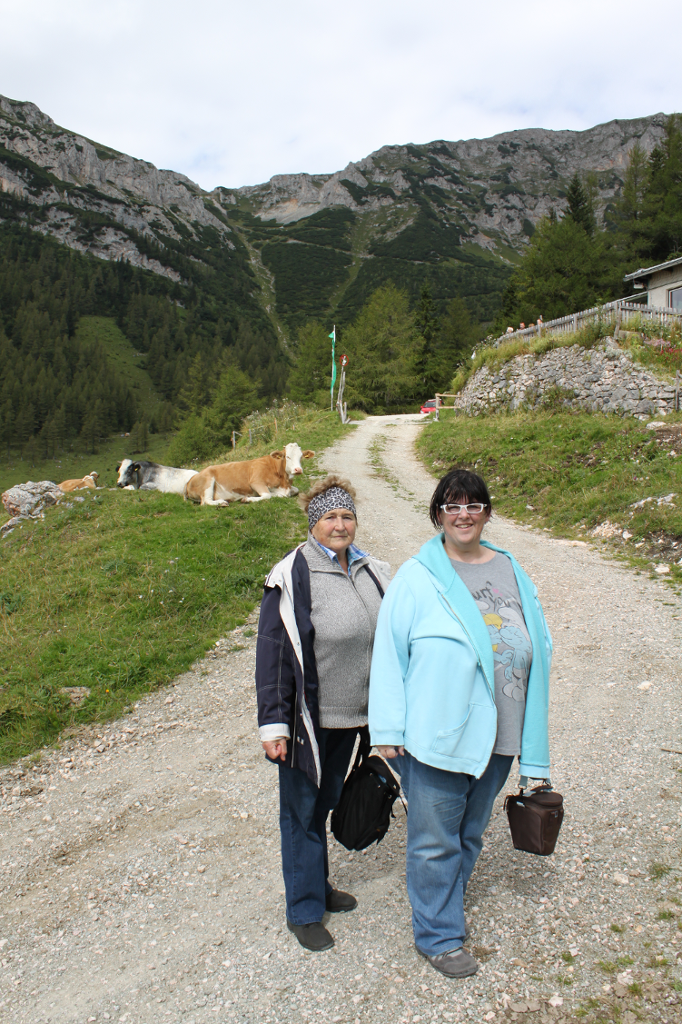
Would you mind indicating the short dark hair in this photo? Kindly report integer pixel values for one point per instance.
(458, 485)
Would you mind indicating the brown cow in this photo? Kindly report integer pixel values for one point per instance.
(78, 485)
(255, 480)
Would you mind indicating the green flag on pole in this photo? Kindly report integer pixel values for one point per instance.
(333, 337)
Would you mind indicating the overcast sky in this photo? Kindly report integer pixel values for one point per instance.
(231, 92)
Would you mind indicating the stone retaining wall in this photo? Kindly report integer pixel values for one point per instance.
(603, 378)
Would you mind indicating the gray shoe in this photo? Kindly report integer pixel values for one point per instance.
(457, 963)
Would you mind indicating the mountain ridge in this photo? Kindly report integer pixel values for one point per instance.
(302, 246)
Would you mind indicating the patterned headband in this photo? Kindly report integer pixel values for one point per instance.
(335, 497)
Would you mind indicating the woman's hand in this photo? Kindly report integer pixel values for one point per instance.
(389, 752)
(275, 749)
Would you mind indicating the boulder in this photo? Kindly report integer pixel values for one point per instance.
(30, 498)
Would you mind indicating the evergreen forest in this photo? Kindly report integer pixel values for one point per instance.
(59, 385)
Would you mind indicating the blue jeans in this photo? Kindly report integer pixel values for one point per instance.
(448, 812)
(303, 812)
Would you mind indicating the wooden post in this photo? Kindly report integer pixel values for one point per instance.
(437, 415)
(250, 437)
(677, 390)
(234, 442)
(340, 404)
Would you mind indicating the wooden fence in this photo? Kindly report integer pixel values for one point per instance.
(620, 313)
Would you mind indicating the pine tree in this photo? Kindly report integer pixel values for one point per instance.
(235, 397)
(663, 194)
(384, 346)
(628, 215)
(563, 270)
(580, 208)
(310, 377)
(425, 316)
(458, 335)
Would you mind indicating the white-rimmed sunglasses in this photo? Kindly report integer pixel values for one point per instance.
(473, 508)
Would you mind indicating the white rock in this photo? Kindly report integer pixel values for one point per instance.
(620, 879)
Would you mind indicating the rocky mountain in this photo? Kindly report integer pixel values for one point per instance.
(305, 245)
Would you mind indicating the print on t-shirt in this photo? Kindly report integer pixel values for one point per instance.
(493, 587)
(512, 648)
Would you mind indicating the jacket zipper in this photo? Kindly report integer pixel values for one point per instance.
(293, 733)
(456, 616)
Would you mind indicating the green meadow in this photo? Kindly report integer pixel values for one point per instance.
(122, 591)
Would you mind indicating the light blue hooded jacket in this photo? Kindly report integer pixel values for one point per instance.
(432, 686)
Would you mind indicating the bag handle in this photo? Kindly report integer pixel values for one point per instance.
(364, 746)
(523, 783)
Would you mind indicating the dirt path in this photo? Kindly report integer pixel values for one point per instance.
(139, 866)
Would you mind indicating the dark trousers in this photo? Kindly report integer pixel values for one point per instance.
(303, 812)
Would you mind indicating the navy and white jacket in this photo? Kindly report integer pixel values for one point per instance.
(286, 672)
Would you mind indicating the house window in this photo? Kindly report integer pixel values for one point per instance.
(675, 299)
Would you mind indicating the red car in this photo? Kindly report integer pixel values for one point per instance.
(428, 407)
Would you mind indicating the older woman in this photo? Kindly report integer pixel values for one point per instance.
(313, 656)
(459, 687)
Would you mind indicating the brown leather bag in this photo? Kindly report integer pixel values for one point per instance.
(535, 819)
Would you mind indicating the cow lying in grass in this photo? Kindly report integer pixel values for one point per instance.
(150, 476)
(78, 485)
(255, 480)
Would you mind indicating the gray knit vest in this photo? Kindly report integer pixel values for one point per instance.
(344, 613)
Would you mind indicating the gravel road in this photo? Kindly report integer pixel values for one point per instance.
(139, 863)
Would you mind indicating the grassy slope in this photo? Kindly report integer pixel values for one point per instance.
(122, 355)
(576, 471)
(124, 590)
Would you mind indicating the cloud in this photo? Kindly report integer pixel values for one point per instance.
(232, 93)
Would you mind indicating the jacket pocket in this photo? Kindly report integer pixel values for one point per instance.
(471, 736)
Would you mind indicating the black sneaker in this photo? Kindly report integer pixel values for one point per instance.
(339, 902)
(312, 936)
(457, 963)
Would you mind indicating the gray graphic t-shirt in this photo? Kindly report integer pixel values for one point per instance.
(493, 587)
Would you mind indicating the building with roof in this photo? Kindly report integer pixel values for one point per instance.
(662, 283)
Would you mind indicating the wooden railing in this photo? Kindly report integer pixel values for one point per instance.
(620, 313)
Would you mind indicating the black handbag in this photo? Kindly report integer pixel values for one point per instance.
(365, 807)
(535, 818)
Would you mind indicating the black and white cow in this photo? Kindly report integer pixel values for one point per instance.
(150, 476)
